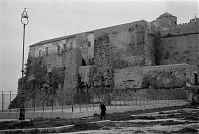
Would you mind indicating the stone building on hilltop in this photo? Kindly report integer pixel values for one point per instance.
(141, 54)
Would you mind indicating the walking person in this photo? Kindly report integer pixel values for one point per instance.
(103, 110)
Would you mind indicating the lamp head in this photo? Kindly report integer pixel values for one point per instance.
(24, 17)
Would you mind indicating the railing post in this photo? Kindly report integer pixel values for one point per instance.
(72, 101)
(136, 98)
(120, 99)
(87, 98)
(43, 107)
(93, 100)
(52, 100)
(10, 99)
(2, 101)
(34, 103)
(99, 97)
(80, 100)
(139, 99)
(115, 99)
(62, 101)
(162, 96)
(124, 97)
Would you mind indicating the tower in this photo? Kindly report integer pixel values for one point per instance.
(165, 19)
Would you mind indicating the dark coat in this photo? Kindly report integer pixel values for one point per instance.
(102, 107)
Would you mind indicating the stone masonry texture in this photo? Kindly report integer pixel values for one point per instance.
(125, 56)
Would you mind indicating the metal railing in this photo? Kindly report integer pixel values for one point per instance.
(6, 98)
(81, 102)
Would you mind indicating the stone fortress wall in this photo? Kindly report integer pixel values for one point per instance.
(179, 44)
(123, 56)
(182, 28)
(120, 47)
(107, 49)
(165, 76)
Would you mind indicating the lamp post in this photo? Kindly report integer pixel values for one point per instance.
(24, 21)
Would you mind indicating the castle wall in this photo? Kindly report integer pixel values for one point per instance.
(71, 53)
(119, 47)
(85, 42)
(86, 75)
(129, 78)
(180, 29)
(122, 46)
(122, 57)
(127, 43)
(149, 48)
(53, 60)
(180, 49)
(72, 62)
(179, 45)
(64, 44)
(166, 76)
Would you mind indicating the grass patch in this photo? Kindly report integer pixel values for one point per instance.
(187, 130)
(171, 122)
(46, 123)
(138, 132)
(15, 124)
(145, 117)
(83, 126)
(192, 118)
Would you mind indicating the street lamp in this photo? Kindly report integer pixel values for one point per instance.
(24, 21)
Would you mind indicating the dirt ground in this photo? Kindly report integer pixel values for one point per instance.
(172, 120)
(179, 121)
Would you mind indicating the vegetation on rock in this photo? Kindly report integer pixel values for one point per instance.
(38, 83)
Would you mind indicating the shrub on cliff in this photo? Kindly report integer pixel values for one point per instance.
(163, 79)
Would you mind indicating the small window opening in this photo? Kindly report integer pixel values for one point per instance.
(40, 53)
(83, 62)
(89, 44)
(46, 50)
(196, 78)
(64, 46)
(58, 48)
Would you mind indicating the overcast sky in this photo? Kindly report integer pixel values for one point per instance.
(55, 18)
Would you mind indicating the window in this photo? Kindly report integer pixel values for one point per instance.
(40, 54)
(196, 78)
(89, 44)
(71, 45)
(64, 45)
(46, 50)
(83, 62)
(58, 48)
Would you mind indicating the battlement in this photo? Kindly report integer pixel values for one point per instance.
(179, 29)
